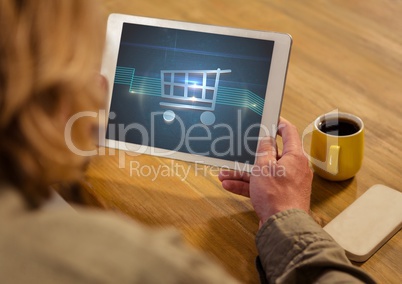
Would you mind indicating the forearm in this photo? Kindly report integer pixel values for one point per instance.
(292, 246)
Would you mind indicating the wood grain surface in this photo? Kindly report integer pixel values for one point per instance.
(346, 56)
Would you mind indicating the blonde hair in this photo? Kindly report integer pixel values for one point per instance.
(50, 51)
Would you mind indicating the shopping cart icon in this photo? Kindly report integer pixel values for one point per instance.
(190, 89)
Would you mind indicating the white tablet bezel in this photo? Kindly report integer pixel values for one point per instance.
(274, 93)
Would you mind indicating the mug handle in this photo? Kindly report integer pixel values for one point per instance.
(333, 159)
(331, 163)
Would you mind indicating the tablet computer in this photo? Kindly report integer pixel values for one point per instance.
(192, 92)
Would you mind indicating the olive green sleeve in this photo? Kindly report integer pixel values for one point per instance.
(294, 248)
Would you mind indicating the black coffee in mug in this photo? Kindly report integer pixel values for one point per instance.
(339, 126)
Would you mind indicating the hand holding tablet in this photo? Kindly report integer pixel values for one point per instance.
(277, 182)
(193, 92)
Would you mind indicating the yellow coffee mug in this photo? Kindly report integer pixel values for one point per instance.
(337, 146)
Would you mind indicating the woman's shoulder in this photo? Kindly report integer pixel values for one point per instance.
(69, 242)
(79, 243)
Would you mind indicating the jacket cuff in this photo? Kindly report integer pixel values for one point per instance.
(282, 239)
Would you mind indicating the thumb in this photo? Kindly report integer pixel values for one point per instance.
(266, 151)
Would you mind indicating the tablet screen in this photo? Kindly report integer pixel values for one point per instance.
(192, 92)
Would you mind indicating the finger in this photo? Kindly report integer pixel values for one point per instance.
(233, 175)
(290, 137)
(104, 84)
(237, 187)
(266, 152)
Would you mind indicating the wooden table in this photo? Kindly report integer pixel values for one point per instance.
(346, 55)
